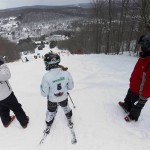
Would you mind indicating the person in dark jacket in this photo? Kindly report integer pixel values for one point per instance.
(139, 90)
(8, 100)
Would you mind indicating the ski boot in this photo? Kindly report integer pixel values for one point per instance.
(121, 104)
(11, 120)
(70, 123)
(128, 119)
(25, 126)
(47, 130)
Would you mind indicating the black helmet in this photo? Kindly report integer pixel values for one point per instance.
(51, 60)
(144, 41)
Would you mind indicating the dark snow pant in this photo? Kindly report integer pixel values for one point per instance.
(11, 103)
(133, 104)
(52, 110)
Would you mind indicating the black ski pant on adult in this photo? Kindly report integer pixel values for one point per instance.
(11, 103)
(133, 104)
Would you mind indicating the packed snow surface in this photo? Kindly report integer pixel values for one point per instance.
(100, 82)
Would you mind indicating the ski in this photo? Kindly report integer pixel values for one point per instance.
(73, 135)
(46, 132)
(73, 138)
(70, 125)
(43, 138)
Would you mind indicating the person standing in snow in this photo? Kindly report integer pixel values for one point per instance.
(139, 90)
(8, 100)
(55, 85)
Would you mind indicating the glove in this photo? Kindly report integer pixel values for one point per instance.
(141, 102)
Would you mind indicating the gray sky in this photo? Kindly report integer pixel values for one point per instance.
(17, 3)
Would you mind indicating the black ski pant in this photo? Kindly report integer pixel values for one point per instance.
(11, 103)
(133, 104)
(52, 108)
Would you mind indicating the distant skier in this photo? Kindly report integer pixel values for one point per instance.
(26, 59)
(55, 85)
(139, 90)
(8, 100)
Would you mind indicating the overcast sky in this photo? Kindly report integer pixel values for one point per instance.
(17, 3)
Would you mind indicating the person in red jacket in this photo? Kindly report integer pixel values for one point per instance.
(139, 90)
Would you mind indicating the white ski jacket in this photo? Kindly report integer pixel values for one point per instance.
(5, 88)
(55, 85)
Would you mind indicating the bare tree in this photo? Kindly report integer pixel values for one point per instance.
(9, 50)
(143, 7)
(99, 9)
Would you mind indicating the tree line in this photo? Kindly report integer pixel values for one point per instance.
(114, 26)
(10, 51)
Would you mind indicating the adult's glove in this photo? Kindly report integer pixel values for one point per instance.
(141, 102)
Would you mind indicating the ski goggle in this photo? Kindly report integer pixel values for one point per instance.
(52, 62)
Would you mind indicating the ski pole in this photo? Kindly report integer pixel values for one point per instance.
(71, 100)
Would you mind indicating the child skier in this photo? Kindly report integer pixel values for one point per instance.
(8, 100)
(55, 85)
(139, 90)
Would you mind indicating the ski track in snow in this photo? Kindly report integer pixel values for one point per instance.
(100, 82)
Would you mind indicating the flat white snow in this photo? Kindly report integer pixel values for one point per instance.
(100, 82)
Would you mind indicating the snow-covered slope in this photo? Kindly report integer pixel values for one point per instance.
(41, 53)
(100, 82)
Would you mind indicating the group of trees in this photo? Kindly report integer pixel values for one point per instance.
(8, 50)
(114, 27)
(26, 45)
(119, 24)
(11, 51)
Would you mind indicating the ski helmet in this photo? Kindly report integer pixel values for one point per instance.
(145, 43)
(51, 60)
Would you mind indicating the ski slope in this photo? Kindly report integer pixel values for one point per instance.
(100, 82)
